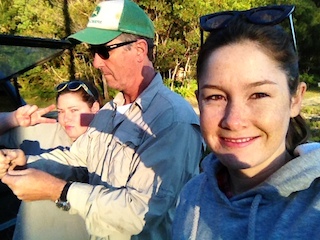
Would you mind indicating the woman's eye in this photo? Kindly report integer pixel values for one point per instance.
(259, 95)
(215, 97)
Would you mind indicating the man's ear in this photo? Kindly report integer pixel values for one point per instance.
(142, 48)
(296, 100)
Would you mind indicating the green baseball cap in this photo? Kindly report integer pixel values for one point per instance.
(111, 18)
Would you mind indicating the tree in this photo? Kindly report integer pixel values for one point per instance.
(177, 35)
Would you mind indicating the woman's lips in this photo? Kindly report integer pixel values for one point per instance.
(68, 128)
(237, 142)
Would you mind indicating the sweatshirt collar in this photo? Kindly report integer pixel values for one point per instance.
(296, 175)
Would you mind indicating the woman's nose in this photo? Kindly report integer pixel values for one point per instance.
(234, 117)
(67, 117)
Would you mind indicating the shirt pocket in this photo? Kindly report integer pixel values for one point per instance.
(122, 159)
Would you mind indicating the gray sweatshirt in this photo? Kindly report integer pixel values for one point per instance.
(285, 206)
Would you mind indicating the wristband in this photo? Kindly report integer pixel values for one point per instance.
(62, 202)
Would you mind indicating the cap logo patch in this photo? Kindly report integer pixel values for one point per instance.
(96, 12)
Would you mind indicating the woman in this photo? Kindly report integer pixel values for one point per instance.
(261, 181)
(77, 102)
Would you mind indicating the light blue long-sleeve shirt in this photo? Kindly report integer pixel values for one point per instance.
(136, 164)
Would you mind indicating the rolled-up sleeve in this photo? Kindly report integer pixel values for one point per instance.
(165, 162)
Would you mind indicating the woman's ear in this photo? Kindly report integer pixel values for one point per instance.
(196, 92)
(296, 100)
(95, 107)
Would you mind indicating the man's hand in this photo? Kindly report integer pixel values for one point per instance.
(10, 158)
(30, 115)
(32, 184)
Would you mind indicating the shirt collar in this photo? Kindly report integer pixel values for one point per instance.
(146, 97)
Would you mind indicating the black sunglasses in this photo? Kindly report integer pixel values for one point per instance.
(268, 15)
(74, 86)
(103, 50)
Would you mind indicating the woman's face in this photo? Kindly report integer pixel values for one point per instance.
(74, 114)
(245, 107)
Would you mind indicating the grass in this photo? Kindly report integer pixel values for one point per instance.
(311, 112)
(311, 93)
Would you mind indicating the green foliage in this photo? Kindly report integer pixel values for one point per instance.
(314, 125)
(30, 81)
(310, 111)
(186, 88)
(177, 37)
(311, 80)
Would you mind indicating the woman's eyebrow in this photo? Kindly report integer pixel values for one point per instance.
(249, 85)
(260, 83)
(211, 86)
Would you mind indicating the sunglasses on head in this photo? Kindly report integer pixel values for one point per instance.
(74, 86)
(268, 15)
(103, 50)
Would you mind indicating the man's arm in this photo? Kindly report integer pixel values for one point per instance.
(140, 183)
(32, 184)
(163, 165)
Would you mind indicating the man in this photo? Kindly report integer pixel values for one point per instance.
(141, 148)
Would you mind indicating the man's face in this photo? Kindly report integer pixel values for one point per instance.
(120, 68)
